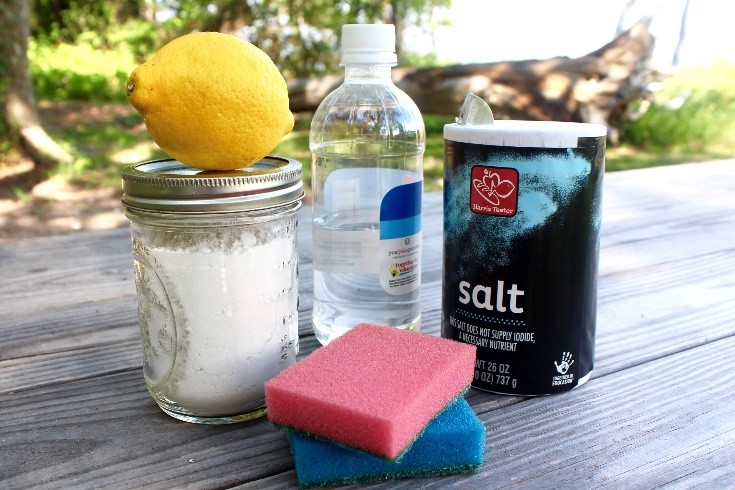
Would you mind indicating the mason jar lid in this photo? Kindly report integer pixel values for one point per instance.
(170, 186)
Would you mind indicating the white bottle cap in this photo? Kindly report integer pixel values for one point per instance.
(368, 44)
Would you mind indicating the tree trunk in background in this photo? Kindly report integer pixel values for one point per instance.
(16, 91)
(624, 17)
(596, 88)
(397, 14)
(682, 34)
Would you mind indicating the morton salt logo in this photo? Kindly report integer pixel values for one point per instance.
(494, 191)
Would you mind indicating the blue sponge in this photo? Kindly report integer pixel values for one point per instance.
(454, 442)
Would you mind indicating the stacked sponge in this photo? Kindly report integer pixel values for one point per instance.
(378, 403)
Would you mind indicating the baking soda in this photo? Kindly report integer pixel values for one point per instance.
(218, 314)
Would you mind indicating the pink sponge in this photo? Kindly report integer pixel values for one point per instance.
(375, 388)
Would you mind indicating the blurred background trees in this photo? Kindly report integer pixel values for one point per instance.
(78, 54)
(81, 50)
(301, 36)
(20, 121)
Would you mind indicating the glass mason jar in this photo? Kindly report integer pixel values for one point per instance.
(216, 272)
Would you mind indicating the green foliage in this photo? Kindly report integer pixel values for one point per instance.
(100, 146)
(416, 60)
(70, 60)
(64, 21)
(79, 71)
(695, 110)
(56, 21)
(301, 36)
(136, 36)
(104, 25)
(5, 144)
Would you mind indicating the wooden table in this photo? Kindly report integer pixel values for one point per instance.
(659, 409)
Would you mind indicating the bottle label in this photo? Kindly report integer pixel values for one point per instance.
(366, 230)
(345, 251)
(400, 239)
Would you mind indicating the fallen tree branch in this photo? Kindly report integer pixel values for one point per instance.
(597, 87)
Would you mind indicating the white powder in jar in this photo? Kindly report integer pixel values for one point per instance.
(218, 314)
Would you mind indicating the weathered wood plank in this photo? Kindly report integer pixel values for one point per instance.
(642, 317)
(109, 429)
(627, 440)
(645, 274)
(101, 280)
(657, 411)
(690, 206)
(89, 294)
(600, 436)
(78, 326)
(60, 367)
(88, 433)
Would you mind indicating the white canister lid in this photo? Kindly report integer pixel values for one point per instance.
(529, 134)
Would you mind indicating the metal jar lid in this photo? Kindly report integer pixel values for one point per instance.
(170, 186)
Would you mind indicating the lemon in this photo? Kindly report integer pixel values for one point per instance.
(212, 101)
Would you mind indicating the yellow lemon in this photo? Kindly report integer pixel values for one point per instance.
(212, 101)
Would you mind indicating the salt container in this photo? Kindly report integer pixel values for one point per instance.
(216, 276)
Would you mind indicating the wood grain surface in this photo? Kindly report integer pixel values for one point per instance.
(658, 411)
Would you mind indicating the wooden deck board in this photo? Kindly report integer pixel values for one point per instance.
(90, 430)
(657, 411)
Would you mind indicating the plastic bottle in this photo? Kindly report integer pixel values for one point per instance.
(367, 140)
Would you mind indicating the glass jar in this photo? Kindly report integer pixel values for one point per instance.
(216, 275)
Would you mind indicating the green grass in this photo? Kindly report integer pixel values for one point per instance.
(629, 157)
(692, 113)
(102, 147)
(79, 71)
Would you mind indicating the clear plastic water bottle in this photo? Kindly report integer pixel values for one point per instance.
(367, 140)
